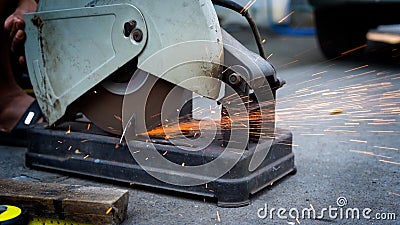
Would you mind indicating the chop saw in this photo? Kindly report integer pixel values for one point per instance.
(154, 93)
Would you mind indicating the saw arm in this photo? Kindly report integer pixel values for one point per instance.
(72, 46)
(91, 55)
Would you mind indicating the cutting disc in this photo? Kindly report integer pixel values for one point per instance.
(103, 105)
(103, 109)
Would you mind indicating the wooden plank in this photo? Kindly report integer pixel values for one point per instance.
(83, 204)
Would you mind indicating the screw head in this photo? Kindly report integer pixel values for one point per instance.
(137, 35)
(234, 79)
(129, 27)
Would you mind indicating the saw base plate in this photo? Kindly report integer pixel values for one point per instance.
(79, 148)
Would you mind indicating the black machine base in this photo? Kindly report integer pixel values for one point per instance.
(78, 150)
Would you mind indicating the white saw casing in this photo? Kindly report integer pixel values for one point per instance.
(74, 45)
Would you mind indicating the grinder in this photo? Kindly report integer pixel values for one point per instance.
(145, 78)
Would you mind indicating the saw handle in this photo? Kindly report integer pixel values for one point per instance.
(244, 12)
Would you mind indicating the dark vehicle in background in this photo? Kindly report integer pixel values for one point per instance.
(342, 25)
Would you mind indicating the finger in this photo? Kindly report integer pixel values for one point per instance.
(13, 29)
(22, 60)
(18, 40)
(19, 37)
(7, 25)
(18, 24)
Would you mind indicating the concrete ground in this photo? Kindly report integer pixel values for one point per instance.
(351, 156)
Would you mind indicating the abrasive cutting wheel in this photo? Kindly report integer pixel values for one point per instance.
(103, 105)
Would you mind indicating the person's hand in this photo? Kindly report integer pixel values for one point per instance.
(15, 24)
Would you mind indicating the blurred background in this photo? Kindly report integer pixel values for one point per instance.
(277, 15)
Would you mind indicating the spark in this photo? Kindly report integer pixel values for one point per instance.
(69, 130)
(370, 153)
(390, 162)
(386, 148)
(221, 73)
(304, 90)
(270, 55)
(362, 106)
(287, 16)
(117, 117)
(247, 6)
(125, 129)
(109, 210)
(357, 68)
(322, 72)
(308, 81)
(359, 141)
(86, 156)
(218, 217)
(88, 126)
(392, 193)
(70, 148)
(336, 111)
(382, 131)
(354, 49)
(340, 131)
(165, 153)
(289, 63)
(293, 145)
(312, 134)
